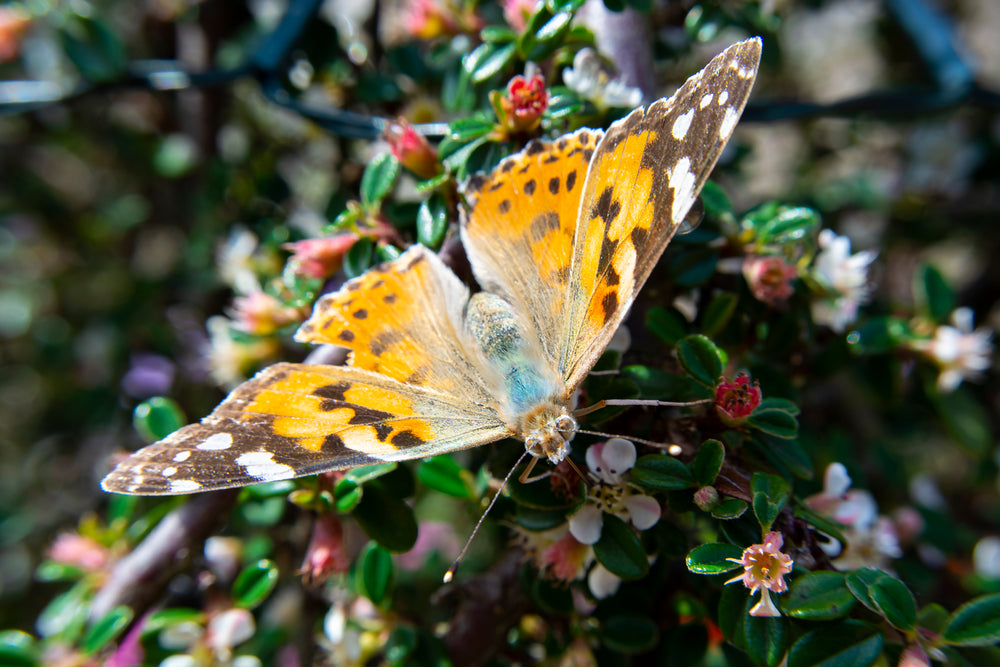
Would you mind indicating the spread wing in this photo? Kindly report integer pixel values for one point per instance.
(404, 320)
(292, 420)
(643, 178)
(519, 227)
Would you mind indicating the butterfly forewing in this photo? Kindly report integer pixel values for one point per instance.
(643, 179)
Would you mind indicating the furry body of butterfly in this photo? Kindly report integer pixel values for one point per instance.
(560, 236)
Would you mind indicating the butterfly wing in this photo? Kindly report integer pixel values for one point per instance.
(644, 177)
(292, 420)
(404, 320)
(519, 226)
(415, 389)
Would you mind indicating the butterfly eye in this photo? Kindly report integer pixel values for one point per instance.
(565, 423)
(534, 446)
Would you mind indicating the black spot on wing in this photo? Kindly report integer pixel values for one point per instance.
(554, 185)
(332, 395)
(384, 341)
(529, 187)
(405, 439)
(606, 208)
(504, 206)
(570, 180)
(610, 306)
(542, 224)
(608, 247)
(346, 335)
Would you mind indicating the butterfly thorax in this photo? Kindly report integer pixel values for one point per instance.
(526, 388)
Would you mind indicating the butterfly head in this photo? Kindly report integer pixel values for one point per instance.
(547, 432)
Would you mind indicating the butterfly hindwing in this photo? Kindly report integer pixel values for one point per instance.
(296, 419)
(403, 319)
(643, 179)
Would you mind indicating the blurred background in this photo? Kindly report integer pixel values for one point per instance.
(129, 210)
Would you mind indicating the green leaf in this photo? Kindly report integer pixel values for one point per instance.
(934, 293)
(493, 61)
(662, 472)
(770, 493)
(715, 199)
(620, 551)
(846, 644)
(860, 582)
(713, 558)
(550, 36)
(158, 417)
(386, 518)
(497, 34)
(50, 570)
(376, 572)
(347, 494)
(17, 649)
(104, 631)
(730, 508)
(255, 583)
(718, 313)
(358, 257)
(818, 596)
(701, 359)
(774, 422)
(166, 618)
(401, 645)
(708, 462)
(783, 404)
(895, 602)
(367, 473)
(975, 623)
(666, 324)
(442, 474)
(788, 226)
(766, 639)
(472, 127)
(378, 180)
(64, 617)
(629, 633)
(784, 453)
(432, 221)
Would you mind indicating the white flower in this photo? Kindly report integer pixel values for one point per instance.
(602, 582)
(961, 352)
(872, 540)
(589, 78)
(986, 557)
(608, 463)
(845, 275)
(235, 259)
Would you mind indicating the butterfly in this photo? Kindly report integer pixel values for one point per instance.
(560, 237)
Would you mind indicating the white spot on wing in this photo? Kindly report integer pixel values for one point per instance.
(682, 124)
(723, 97)
(181, 457)
(263, 466)
(728, 123)
(217, 441)
(169, 472)
(184, 485)
(706, 100)
(682, 182)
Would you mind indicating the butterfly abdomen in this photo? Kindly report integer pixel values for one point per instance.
(517, 363)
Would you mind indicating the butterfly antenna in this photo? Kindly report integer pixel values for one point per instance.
(450, 574)
(673, 450)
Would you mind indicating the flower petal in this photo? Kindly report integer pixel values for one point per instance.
(619, 455)
(586, 524)
(602, 582)
(644, 511)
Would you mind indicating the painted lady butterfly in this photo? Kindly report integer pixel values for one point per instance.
(560, 236)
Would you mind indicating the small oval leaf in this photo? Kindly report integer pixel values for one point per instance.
(713, 558)
(378, 179)
(386, 518)
(106, 629)
(975, 623)
(708, 462)
(662, 472)
(158, 417)
(620, 551)
(701, 359)
(818, 596)
(629, 633)
(376, 572)
(255, 583)
(847, 644)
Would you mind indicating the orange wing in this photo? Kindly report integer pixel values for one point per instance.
(404, 319)
(644, 177)
(292, 420)
(518, 231)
